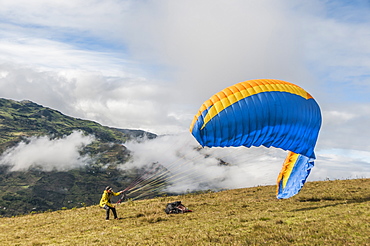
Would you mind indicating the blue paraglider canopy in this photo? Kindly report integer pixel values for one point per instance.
(265, 112)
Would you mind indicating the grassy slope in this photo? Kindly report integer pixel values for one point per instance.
(324, 213)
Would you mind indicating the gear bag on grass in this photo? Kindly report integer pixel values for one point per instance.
(176, 208)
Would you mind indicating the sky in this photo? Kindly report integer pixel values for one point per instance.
(145, 64)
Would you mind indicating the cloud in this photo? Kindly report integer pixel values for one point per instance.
(192, 168)
(122, 102)
(345, 127)
(70, 21)
(48, 154)
(151, 64)
(61, 57)
(338, 53)
(199, 169)
(210, 45)
(341, 164)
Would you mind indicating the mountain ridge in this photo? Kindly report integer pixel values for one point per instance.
(38, 190)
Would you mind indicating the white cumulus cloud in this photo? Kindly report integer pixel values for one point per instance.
(48, 154)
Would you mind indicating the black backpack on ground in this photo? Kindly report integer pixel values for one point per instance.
(175, 208)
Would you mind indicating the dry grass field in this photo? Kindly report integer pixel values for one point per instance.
(324, 213)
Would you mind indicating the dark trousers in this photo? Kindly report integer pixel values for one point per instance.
(107, 209)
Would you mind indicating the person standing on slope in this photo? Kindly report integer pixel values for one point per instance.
(106, 203)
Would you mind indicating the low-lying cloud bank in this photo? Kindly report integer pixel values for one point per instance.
(190, 167)
(193, 168)
(48, 154)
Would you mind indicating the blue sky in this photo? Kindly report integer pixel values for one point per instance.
(150, 64)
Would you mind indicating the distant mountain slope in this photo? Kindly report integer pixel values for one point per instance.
(23, 119)
(40, 190)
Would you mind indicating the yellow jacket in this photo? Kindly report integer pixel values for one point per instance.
(105, 198)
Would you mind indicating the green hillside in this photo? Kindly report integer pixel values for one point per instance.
(323, 213)
(22, 192)
(19, 120)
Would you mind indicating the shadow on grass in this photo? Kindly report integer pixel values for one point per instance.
(343, 201)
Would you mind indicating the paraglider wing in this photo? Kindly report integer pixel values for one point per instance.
(264, 112)
(293, 175)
